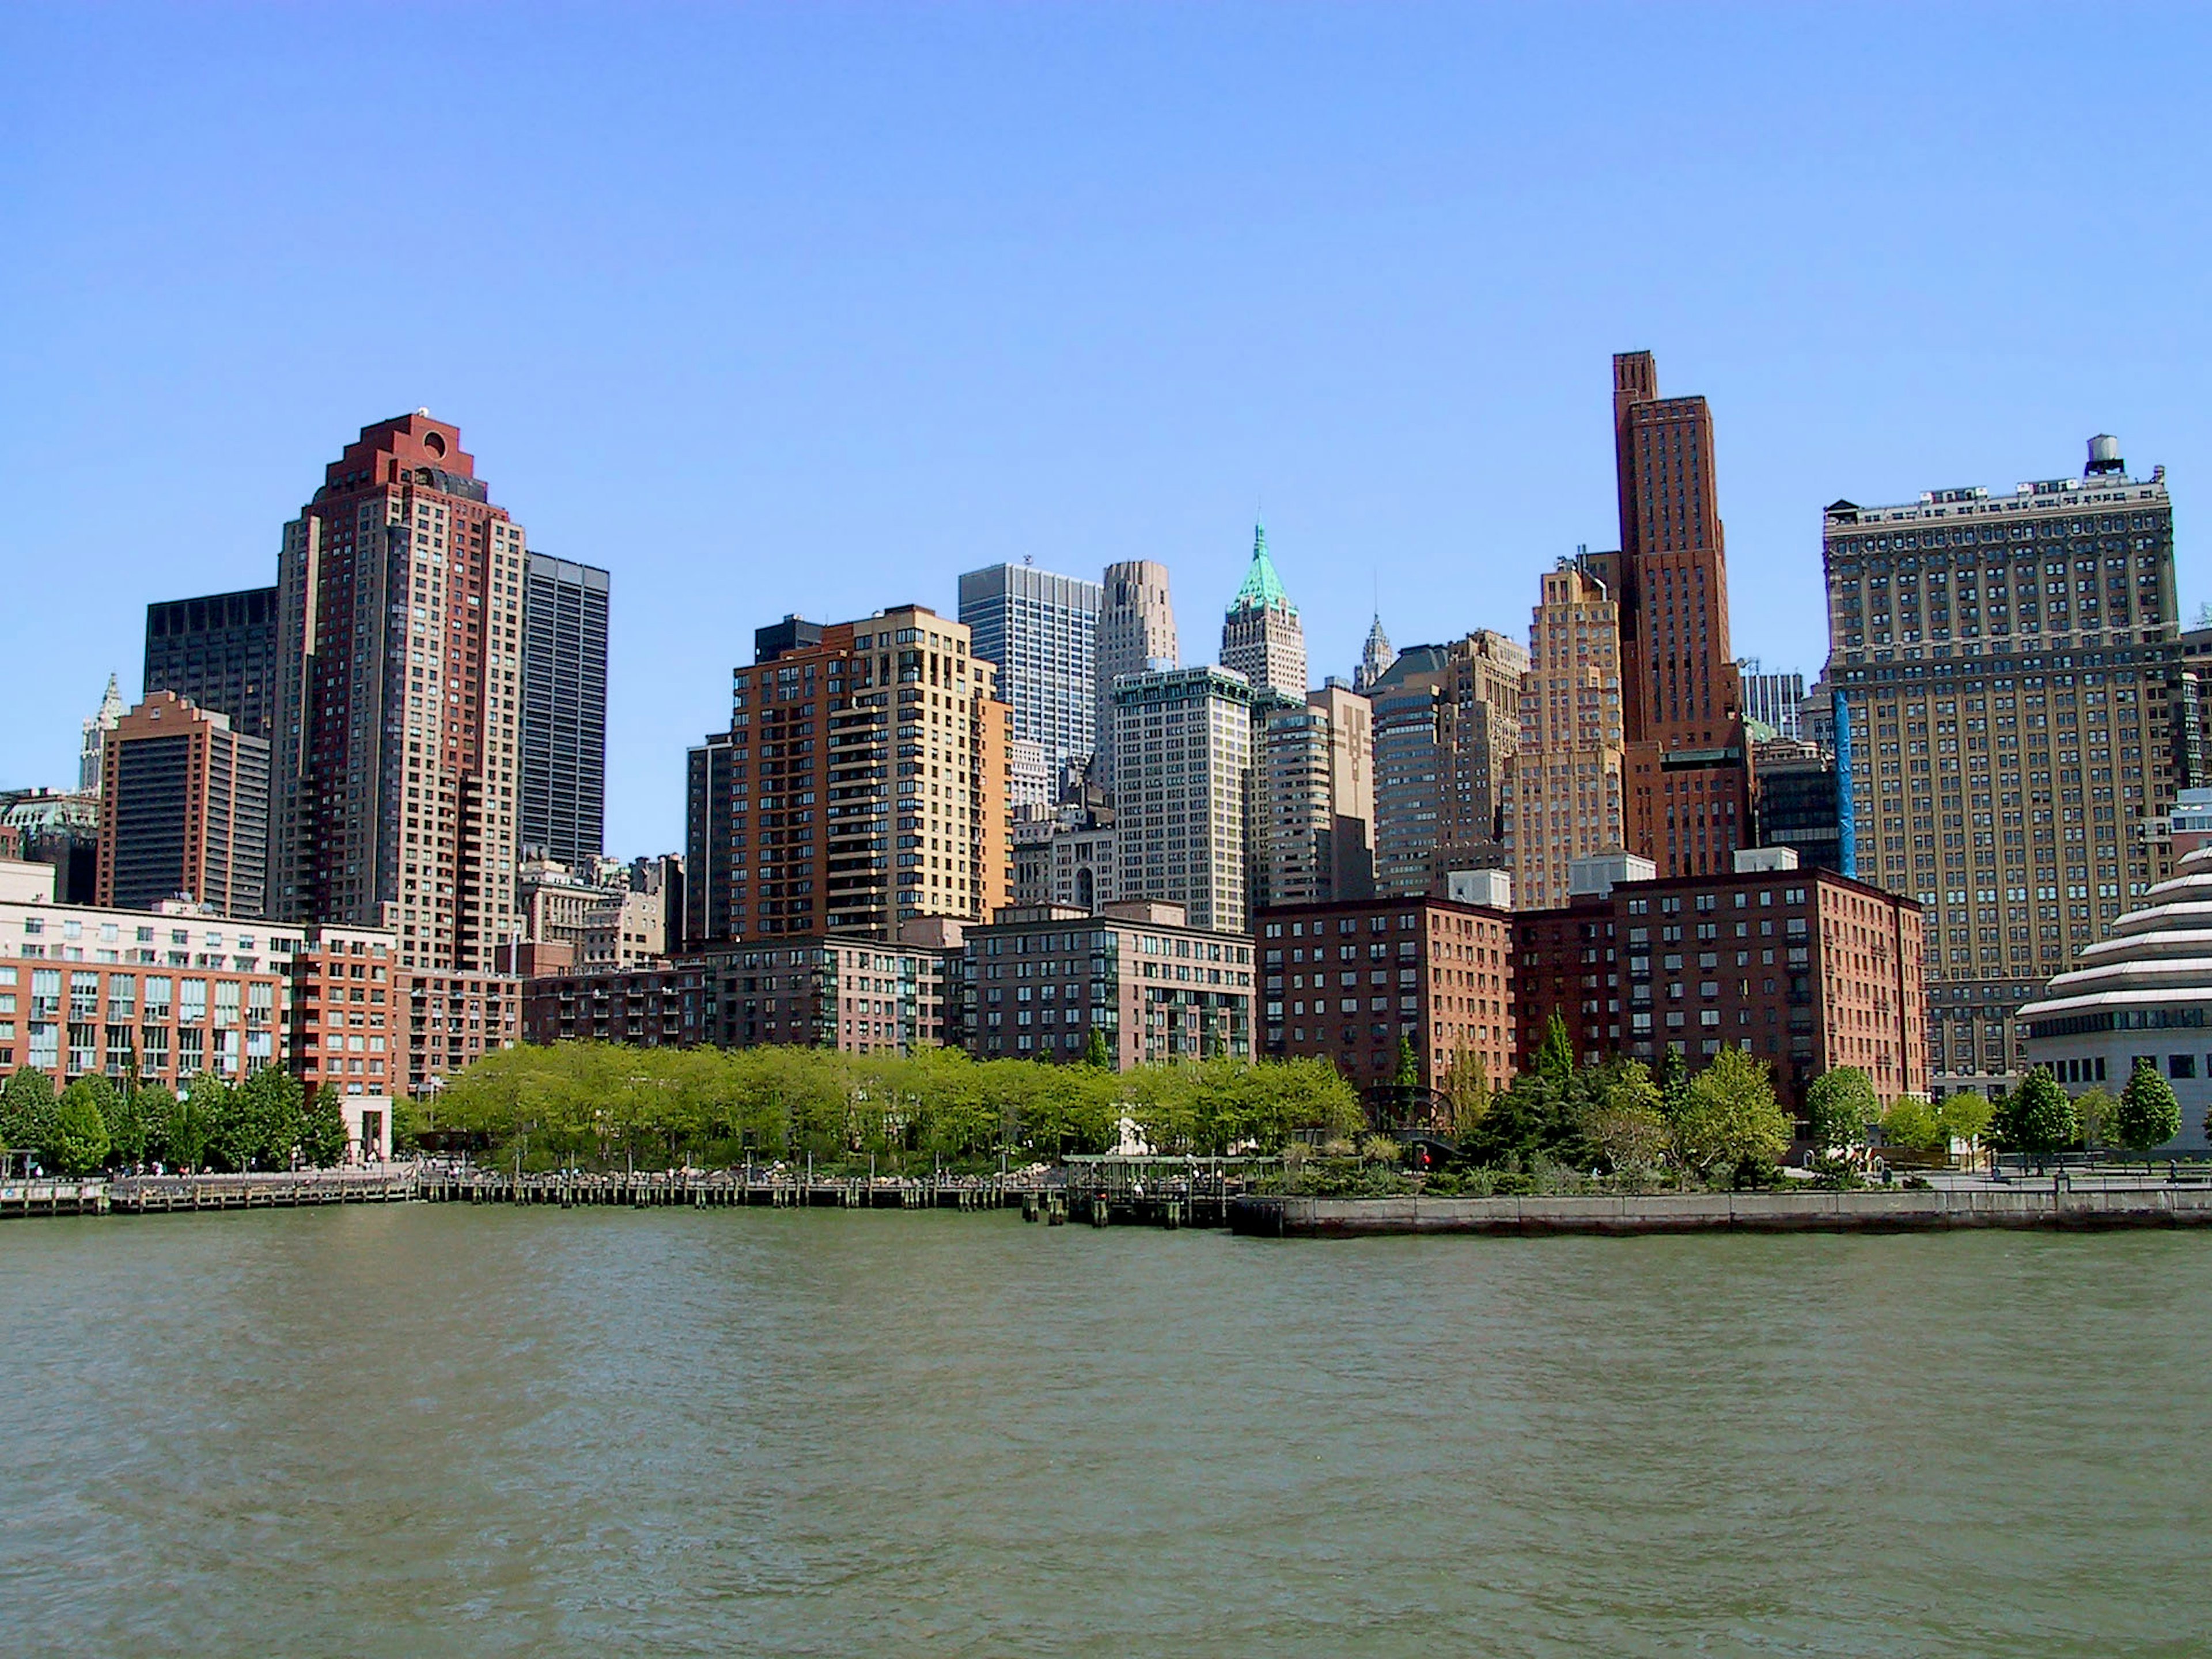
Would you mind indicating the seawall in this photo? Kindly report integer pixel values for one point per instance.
(1883, 1211)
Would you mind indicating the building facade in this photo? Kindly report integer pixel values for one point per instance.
(218, 652)
(1349, 981)
(1136, 636)
(399, 646)
(1039, 979)
(1482, 732)
(862, 783)
(1375, 656)
(1775, 701)
(1798, 806)
(1804, 969)
(1688, 773)
(2006, 663)
(1569, 784)
(1183, 758)
(1261, 637)
(88, 768)
(2144, 992)
(561, 805)
(1314, 797)
(183, 812)
(1041, 631)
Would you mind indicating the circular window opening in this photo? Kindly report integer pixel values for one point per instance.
(435, 443)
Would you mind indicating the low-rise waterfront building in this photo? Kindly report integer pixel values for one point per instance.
(1349, 981)
(1806, 969)
(1040, 979)
(2144, 991)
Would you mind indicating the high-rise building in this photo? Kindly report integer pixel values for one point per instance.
(862, 785)
(1261, 637)
(561, 805)
(708, 841)
(399, 642)
(1568, 786)
(1182, 758)
(1041, 631)
(1481, 691)
(89, 769)
(183, 812)
(1410, 730)
(1375, 657)
(1314, 798)
(1798, 803)
(1136, 636)
(1688, 773)
(2005, 661)
(1775, 701)
(218, 653)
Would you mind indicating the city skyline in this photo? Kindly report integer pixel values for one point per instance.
(1087, 293)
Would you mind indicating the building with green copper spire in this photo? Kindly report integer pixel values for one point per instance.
(1261, 637)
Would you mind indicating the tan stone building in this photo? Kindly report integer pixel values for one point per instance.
(1566, 782)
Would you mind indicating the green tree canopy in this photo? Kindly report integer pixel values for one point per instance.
(2037, 1118)
(322, 1135)
(26, 1110)
(79, 1143)
(1838, 1106)
(1732, 1120)
(2148, 1114)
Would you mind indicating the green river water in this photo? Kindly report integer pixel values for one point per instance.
(429, 1429)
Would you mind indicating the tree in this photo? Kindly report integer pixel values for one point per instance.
(157, 1111)
(189, 1121)
(1838, 1107)
(2148, 1114)
(1095, 1055)
(79, 1142)
(1964, 1116)
(1555, 1058)
(26, 1111)
(2037, 1118)
(1624, 1123)
(1672, 1074)
(2094, 1110)
(226, 1137)
(128, 1131)
(323, 1134)
(1466, 1092)
(1732, 1122)
(1910, 1123)
(1409, 1067)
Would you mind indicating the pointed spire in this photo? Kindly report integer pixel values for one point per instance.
(1376, 659)
(1262, 589)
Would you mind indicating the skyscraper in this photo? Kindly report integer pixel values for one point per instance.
(2005, 660)
(1042, 632)
(218, 653)
(864, 773)
(1183, 757)
(399, 623)
(1375, 657)
(1773, 700)
(560, 806)
(1261, 637)
(1136, 636)
(1314, 798)
(1410, 730)
(88, 768)
(184, 811)
(1688, 773)
(1568, 798)
(1482, 729)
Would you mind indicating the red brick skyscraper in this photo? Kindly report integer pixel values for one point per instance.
(1689, 778)
(400, 597)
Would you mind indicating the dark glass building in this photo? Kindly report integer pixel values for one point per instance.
(218, 653)
(561, 810)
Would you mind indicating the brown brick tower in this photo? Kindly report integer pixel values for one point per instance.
(1689, 776)
(393, 797)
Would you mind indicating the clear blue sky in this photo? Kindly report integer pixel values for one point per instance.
(811, 308)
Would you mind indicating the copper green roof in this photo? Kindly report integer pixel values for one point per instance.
(1263, 588)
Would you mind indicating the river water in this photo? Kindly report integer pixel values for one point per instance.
(426, 1429)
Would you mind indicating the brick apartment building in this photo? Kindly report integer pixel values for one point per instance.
(1345, 982)
(1803, 969)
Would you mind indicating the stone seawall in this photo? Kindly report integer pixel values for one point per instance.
(1884, 1211)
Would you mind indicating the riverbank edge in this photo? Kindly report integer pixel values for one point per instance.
(1938, 1210)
